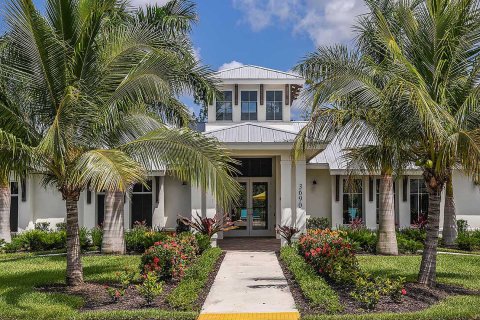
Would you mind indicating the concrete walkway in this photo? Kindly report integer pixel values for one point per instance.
(249, 285)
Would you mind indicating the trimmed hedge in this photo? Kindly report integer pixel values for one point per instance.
(314, 287)
(185, 295)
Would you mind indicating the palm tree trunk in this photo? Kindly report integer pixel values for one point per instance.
(74, 263)
(5, 199)
(113, 227)
(450, 232)
(387, 238)
(428, 267)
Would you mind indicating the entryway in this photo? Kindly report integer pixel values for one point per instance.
(254, 215)
(249, 243)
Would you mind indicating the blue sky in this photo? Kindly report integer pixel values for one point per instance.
(270, 33)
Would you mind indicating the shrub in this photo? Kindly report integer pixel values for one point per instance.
(315, 288)
(181, 226)
(315, 223)
(84, 238)
(209, 226)
(395, 289)
(43, 226)
(97, 236)
(115, 293)
(406, 245)
(415, 234)
(39, 240)
(287, 233)
(140, 237)
(367, 292)
(363, 239)
(203, 242)
(467, 241)
(462, 226)
(185, 295)
(330, 254)
(150, 287)
(169, 258)
(61, 226)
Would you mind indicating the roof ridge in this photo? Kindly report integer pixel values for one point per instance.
(252, 124)
(263, 68)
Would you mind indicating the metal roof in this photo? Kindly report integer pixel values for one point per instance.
(248, 132)
(255, 72)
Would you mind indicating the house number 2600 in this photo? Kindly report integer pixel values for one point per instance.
(300, 195)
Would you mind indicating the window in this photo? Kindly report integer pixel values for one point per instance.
(100, 208)
(418, 200)
(249, 105)
(254, 167)
(274, 105)
(224, 106)
(13, 206)
(352, 200)
(142, 207)
(377, 199)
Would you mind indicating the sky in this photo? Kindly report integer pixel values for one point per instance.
(270, 33)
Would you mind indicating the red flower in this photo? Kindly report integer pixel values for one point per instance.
(117, 294)
(404, 292)
(156, 260)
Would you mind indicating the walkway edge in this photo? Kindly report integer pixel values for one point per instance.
(250, 316)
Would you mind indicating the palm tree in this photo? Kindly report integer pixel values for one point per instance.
(433, 82)
(174, 19)
(81, 69)
(450, 232)
(347, 94)
(436, 86)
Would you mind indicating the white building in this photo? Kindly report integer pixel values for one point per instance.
(253, 120)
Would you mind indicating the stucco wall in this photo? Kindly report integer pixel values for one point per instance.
(177, 200)
(47, 202)
(319, 203)
(467, 199)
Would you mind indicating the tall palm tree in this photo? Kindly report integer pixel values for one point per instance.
(436, 85)
(174, 20)
(346, 94)
(80, 70)
(450, 232)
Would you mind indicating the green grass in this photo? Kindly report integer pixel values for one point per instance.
(184, 296)
(451, 269)
(315, 289)
(19, 273)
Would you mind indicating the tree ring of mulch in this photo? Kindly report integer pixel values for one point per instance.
(96, 298)
(418, 297)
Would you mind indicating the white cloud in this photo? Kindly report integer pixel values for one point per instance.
(324, 21)
(141, 3)
(230, 65)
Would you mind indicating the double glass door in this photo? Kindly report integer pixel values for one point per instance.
(252, 215)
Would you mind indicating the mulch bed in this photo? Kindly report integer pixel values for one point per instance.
(97, 299)
(418, 297)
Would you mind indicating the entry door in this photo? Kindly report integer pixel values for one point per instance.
(253, 216)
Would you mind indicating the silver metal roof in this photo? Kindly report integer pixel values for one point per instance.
(248, 132)
(255, 72)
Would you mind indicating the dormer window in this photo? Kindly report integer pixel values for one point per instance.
(224, 106)
(274, 105)
(249, 105)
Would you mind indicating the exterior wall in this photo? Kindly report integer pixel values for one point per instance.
(177, 201)
(319, 202)
(467, 199)
(261, 108)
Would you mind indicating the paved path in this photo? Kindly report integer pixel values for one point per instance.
(249, 285)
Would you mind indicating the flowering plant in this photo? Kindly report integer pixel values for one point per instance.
(287, 233)
(209, 226)
(330, 254)
(169, 258)
(150, 287)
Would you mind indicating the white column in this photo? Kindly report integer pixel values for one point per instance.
(127, 206)
(211, 212)
(158, 218)
(286, 193)
(196, 201)
(370, 207)
(403, 206)
(301, 195)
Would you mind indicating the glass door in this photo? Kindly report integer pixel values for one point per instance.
(252, 215)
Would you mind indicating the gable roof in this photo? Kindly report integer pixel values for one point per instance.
(250, 72)
(248, 132)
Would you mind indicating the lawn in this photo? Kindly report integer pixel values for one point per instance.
(19, 274)
(452, 269)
